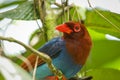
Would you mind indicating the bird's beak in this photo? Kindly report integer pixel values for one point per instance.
(63, 28)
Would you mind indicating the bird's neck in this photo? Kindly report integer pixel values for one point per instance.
(79, 48)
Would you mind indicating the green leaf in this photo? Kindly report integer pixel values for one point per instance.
(22, 12)
(105, 53)
(6, 3)
(1, 77)
(98, 23)
(104, 74)
(113, 63)
(11, 71)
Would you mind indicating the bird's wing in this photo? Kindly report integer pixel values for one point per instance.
(52, 48)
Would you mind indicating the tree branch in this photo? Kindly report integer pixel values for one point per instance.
(57, 4)
(42, 55)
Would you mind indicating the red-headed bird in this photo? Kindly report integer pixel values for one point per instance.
(69, 52)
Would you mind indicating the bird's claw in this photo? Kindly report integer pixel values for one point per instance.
(83, 78)
(54, 78)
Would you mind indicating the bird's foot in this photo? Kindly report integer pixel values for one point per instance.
(83, 78)
(54, 78)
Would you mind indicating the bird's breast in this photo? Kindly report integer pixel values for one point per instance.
(66, 63)
(78, 50)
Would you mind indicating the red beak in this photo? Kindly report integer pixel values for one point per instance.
(63, 28)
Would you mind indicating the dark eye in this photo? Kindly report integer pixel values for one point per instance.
(76, 28)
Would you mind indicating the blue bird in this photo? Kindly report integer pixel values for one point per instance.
(68, 53)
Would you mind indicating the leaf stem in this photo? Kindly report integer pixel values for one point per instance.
(117, 28)
(35, 68)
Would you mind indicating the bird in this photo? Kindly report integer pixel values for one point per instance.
(69, 52)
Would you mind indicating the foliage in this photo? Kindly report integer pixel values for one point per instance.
(6, 3)
(12, 71)
(103, 62)
(23, 12)
(98, 23)
(104, 74)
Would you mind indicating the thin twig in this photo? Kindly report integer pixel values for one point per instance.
(35, 16)
(43, 56)
(42, 12)
(63, 10)
(78, 15)
(73, 14)
(104, 17)
(66, 3)
(57, 4)
(68, 14)
(42, 9)
(26, 61)
(66, 9)
(35, 68)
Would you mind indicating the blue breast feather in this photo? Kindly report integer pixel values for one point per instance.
(56, 49)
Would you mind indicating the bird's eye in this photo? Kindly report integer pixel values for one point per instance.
(76, 28)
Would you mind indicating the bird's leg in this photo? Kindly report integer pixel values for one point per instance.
(54, 78)
(83, 78)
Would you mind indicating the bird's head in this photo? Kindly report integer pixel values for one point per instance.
(72, 29)
(69, 27)
(78, 40)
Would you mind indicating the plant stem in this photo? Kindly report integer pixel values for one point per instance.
(41, 6)
(42, 55)
(42, 12)
(115, 26)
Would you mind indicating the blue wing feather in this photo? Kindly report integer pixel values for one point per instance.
(52, 47)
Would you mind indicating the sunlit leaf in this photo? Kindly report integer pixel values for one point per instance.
(6, 3)
(98, 23)
(22, 12)
(11, 71)
(104, 53)
(1, 77)
(104, 74)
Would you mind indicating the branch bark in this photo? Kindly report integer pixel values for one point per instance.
(42, 55)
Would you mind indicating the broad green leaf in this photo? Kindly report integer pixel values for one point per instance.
(113, 64)
(1, 77)
(104, 74)
(11, 71)
(6, 3)
(98, 23)
(104, 53)
(22, 12)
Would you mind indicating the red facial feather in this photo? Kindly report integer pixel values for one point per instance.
(64, 28)
(78, 43)
(77, 28)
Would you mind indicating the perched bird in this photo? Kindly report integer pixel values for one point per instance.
(69, 52)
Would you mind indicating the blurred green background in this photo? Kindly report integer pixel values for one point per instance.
(104, 60)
